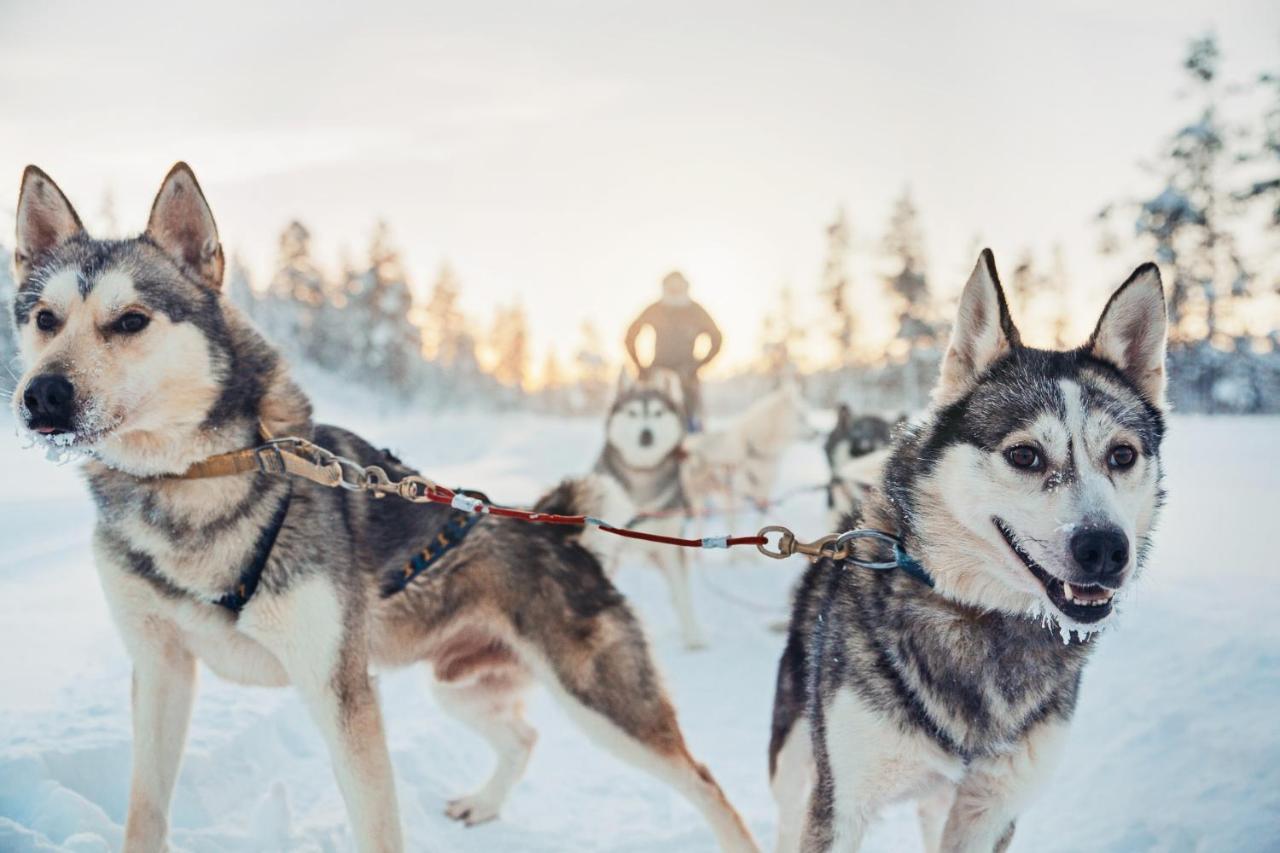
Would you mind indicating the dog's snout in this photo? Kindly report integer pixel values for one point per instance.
(50, 397)
(646, 437)
(1100, 552)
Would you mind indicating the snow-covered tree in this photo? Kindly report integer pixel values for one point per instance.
(781, 335)
(904, 244)
(1264, 158)
(1185, 221)
(835, 290)
(290, 310)
(593, 369)
(388, 346)
(442, 323)
(509, 347)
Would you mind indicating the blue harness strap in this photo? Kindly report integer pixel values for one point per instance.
(236, 600)
(449, 537)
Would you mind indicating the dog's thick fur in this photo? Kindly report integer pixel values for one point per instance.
(643, 454)
(737, 463)
(959, 697)
(191, 379)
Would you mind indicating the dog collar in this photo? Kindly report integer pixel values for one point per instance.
(903, 561)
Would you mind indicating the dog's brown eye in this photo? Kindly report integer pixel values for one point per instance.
(1122, 456)
(46, 321)
(1024, 457)
(132, 323)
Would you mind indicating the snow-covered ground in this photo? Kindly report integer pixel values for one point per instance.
(1176, 745)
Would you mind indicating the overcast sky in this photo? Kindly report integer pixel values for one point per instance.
(567, 154)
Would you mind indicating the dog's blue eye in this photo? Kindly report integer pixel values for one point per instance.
(132, 323)
(46, 321)
(1024, 457)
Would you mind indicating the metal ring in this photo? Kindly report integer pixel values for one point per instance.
(866, 533)
(784, 535)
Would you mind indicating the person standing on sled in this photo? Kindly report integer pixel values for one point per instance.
(677, 322)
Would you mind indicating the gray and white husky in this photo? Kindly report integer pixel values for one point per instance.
(644, 453)
(856, 449)
(1028, 492)
(133, 357)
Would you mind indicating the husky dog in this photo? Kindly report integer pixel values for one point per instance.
(739, 462)
(644, 434)
(856, 449)
(1028, 493)
(133, 358)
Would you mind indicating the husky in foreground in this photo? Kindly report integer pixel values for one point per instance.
(1028, 494)
(133, 358)
(856, 450)
(643, 453)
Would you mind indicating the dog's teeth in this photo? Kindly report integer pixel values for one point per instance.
(1068, 592)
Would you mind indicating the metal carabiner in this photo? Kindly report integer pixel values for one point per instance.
(865, 533)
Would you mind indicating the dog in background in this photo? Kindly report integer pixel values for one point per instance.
(643, 453)
(133, 357)
(737, 464)
(856, 450)
(1027, 494)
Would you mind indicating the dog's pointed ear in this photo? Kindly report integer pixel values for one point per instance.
(182, 225)
(45, 220)
(1132, 332)
(983, 332)
(844, 417)
(672, 387)
(625, 382)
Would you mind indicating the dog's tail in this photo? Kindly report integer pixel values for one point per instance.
(597, 495)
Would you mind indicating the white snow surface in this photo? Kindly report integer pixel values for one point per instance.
(1175, 747)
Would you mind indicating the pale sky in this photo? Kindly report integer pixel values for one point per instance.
(568, 154)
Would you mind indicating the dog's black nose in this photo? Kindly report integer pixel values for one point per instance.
(1100, 552)
(49, 398)
(646, 437)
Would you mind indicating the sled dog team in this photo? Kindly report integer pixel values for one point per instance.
(1026, 493)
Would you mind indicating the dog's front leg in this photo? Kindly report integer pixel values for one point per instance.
(327, 662)
(164, 686)
(996, 790)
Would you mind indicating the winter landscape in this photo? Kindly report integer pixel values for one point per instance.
(460, 267)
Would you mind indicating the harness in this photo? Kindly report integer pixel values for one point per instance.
(252, 574)
(455, 530)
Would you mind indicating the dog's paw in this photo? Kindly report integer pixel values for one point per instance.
(473, 810)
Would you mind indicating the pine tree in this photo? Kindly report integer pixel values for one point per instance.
(1185, 222)
(904, 243)
(835, 290)
(509, 347)
(1265, 187)
(442, 324)
(291, 309)
(780, 335)
(592, 366)
(388, 347)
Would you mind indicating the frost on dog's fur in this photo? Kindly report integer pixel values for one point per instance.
(1014, 491)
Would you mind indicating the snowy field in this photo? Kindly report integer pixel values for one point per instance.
(1176, 745)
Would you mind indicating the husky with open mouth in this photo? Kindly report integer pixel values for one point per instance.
(644, 453)
(134, 358)
(1026, 496)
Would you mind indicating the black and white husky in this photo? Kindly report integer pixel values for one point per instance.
(643, 453)
(856, 449)
(1028, 494)
(133, 357)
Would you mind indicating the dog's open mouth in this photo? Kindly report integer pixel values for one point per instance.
(1083, 603)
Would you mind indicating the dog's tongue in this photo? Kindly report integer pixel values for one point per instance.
(47, 430)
